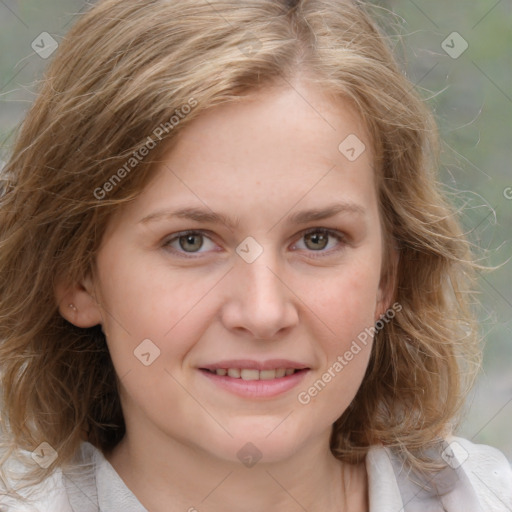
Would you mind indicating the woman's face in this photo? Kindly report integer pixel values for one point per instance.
(256, 249)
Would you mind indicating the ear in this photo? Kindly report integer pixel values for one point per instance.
(387, 283)
(78, 304)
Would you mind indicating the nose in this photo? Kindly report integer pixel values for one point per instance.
(259, 303)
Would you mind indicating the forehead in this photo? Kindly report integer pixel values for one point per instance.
(289, 123)
(265, 153)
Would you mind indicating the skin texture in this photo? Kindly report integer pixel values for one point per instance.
(257, 161)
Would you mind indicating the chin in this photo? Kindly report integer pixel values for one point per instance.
(268, 440)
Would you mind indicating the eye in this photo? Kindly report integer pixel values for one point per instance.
(315, 240)
(190, 242)
(321, 240)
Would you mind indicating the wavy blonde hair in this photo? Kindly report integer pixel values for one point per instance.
(123, 69)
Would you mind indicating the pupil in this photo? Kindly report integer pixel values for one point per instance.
(194, 242)
(319, 240)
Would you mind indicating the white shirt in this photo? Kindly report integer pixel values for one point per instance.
(478, 479)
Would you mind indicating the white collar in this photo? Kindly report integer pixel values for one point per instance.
(482, 477)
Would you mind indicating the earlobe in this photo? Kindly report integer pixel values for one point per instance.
(387, 285)
(78, 305)
(382, 304)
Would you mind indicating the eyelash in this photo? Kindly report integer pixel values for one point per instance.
(319, 254)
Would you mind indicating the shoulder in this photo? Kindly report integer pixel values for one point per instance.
(488, 471)
(476, 478)
(49, 495)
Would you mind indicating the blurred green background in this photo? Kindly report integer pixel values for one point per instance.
(472, 98)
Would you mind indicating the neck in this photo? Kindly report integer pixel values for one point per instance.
(186, 478)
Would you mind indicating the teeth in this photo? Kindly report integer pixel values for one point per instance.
(267, 374)
(252, 374)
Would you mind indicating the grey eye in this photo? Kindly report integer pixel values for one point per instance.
(191, 242)
(316, 240)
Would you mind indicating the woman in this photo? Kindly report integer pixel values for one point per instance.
(228, 277)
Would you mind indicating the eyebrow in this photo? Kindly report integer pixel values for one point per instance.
(209, 216)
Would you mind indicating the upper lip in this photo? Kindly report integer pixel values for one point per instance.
(251, 364)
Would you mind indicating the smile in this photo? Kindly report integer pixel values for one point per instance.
(251, 379)
(253, 374)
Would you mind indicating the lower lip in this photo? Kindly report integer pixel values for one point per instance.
(256, 388)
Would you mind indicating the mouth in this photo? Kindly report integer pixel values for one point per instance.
(252, 379)
(254, 374)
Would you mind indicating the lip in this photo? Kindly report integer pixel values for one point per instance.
(256, 388)
(251, 364)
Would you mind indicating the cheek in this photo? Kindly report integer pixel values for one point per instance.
(347, 304)
(348, 310)
(333, 391)
(147, 304)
